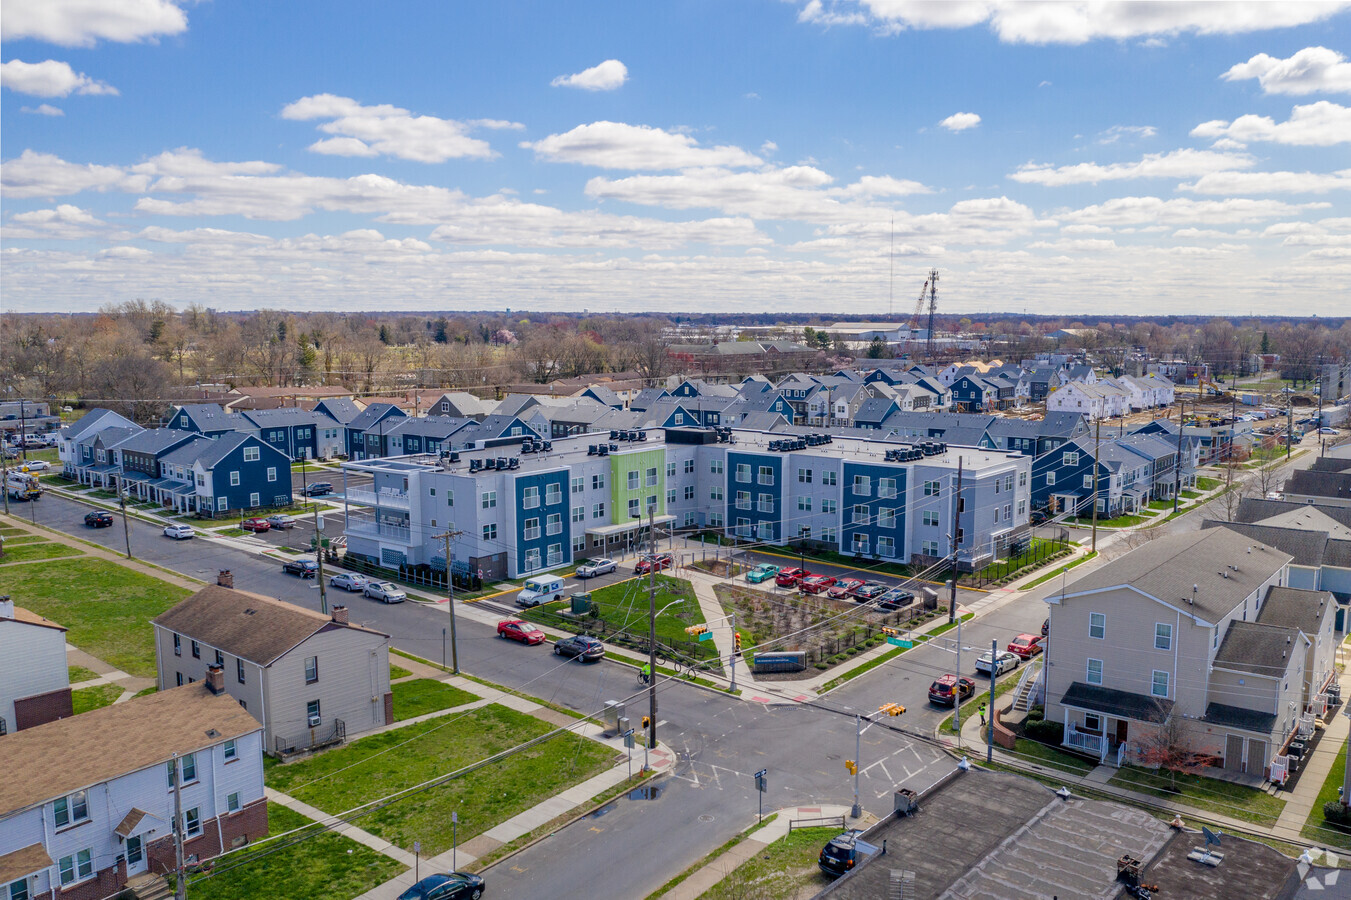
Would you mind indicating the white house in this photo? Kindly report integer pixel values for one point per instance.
(34, 677)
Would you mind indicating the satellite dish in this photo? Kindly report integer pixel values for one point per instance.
(1212, 837)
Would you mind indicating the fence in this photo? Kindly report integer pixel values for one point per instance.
(1038, 552)
(819, 822)
(313, 739)
(415, 576)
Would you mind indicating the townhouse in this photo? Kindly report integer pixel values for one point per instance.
(34, 677)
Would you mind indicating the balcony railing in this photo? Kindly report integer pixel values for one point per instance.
(359, 528)
(1088, 743)
(532, 534)
(391, 499)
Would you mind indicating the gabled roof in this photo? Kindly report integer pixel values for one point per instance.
(1306, 547)
(95, 420)
(437, 427)
(217, 450)
(288, 416)
(28, 617)
(1259, 649)
(371, 416)
(155, 440)
(465, 404)
(188, 453)
(1296, 608)
(1257, 509)
(603, 394)
(111, 437)
(875, 410)
(515, 405)
(212, 417)
(1319, 484)
(341, 409)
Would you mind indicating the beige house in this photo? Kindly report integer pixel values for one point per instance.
(1196, 633)
(310, 679)
(34, 677)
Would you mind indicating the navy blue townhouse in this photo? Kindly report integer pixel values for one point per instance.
(971, 393)
(299, 433)
(234, 473)
(425, 435)
(209, 419)
(139, 458)
(365, 433)
(1034, 437)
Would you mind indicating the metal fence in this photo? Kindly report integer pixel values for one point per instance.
(414, 576)
(818, 822)
(1038, 552)
(313, 739)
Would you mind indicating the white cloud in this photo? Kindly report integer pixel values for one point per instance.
(1310, 71)
(1137, 210)
(1230, 183)
(42, 109)
(36, 174)
(606, 76)
(49, 78)
(1183, 163)
(1059, 22)
(617, 145)
(769, 148)
(389, 130)
(1228, 144)
(1320, 124)
(66, 214)
(882, 186)
(960, 121)
(1117, 132)
(82, 23)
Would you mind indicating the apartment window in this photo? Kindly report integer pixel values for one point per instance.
(804, 476)
(271, 473)
(250, 454)
(489, 500)
(996, 514)
(530, 498)
(828, 478)
(715, 493)
(1097, 625)
(1088, 482)
(886, 488)
(828, 505)
(861, 516)
(715, 520)
(1022, 479)
(743, 473)
(743, 499)
(1094, 673)
(886, 547)
(689, 492)
(70, 810)
(490, 532)
(1008, 512)
(715, 467)
(178, 645)
(1070, 458)
(531, 529)
(579, 484)
(312, 710)
(1159, 684)
(1022, 508)
(886, 518)
(192, 822)
(689, 466)
(253, 500)
(996, 485)
(633, 480)
(220, 659)
(555, 554)
(1092, 723)
(196, 650)
(860, 543)
(598, 511)
(930, 517)
(189, 761)
(598, 482)
(804, 504)
(179, 675)
(76, 867)
(532, 559)
(231, 750)
(766, 503)
(1163, 636)
(554, 524)
(1050, 478)
(311, 669)
(828, 535)
(232, 802)
(579, 514)
(234, 479)
(670, 496)
(635, 507)
(670, 470)
(863, 485)
(929, 548)
(931, 488)
(579, 544)
(766, 475)
(689, 519)
(553, 493)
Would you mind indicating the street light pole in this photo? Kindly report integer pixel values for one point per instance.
(447, 536)
(652, 630)
(319, 557)
(126, 529)
(956, 539)
(994, 673)
(857, 810)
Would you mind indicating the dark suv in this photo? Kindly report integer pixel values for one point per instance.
(98, 519)
(839, 855)
(304, 568)
(944, 690)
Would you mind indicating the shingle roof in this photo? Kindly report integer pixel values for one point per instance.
(1296, 608)
(81, 751)
(286, 416)
(1308, 517)
(1096, 698)
(1256, 509)
(154, 440)
(23, 862)
(1167, 568)
(370, 416)
(219, 447)
(1319, 484)
(1306, 547)
(93, 420)
(257, 628)
(427, 426)
(341, 408)
(188, 453)
(1259, 649)
(1238, 717)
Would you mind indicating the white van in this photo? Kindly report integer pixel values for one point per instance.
(540, 589)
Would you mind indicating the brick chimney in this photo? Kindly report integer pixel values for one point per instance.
(225, 579)
(340, 615)
(215, 679)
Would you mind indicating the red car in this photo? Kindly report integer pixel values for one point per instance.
(646, 564)
(516, 630)
(844, 588)
(945, 690)
(816, 584)
(790, 577)
(255, 525)
(1026, 646)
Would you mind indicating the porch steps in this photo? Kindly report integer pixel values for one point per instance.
(149, 887)
(1026, 687)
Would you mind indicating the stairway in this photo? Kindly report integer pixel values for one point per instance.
(149, 887)
(1022, 698)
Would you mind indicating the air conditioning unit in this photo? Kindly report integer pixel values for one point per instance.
(314, 721)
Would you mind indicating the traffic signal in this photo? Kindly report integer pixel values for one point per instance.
(647, 720)
(736, 638)
(891, 632)
(892, 709)
(851, 766)
(696, 630)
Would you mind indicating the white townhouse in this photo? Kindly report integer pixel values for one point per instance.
(34, 677)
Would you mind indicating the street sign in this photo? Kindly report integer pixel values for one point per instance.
(417, 846)
(760, 781)
(628, 739)
(705, 636)
(900, 642)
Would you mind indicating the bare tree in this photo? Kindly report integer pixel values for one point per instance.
(1167, 748)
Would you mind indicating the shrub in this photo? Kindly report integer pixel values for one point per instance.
(1051, 732)
(1337, 813)
(822, 666)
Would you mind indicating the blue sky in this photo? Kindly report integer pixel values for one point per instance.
(1062, 158)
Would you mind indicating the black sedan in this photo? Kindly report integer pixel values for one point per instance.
(585, 648)
(98, 519)
(446, 886)
(318, 488)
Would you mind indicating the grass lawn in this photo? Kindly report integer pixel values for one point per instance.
(235, 531)
(1190, 495)
(424, 695)
(1037, 552)
(1211, 794)
(1204, 484)
(14, 537)
(328, 865)
(397, 672)
(363, 771)
(80, 673)
(89, 698)
(782, 869)
(1055, 573)
(36, 551)
(106, 608)
(624, 607)
(145, 692)
(1117, 522)
(1316, 828)
(1046, 755)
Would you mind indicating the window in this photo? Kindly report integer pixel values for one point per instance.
(931, 488)
(804, 476)
(715, 467)
(222, 504)
(863, 485)
(689, 466)
(231, 750)
(766, 503)
(196, 650)
(828, 535)
(490, 532)
(232, 802)
(715, 493)
(689, 519)
(1022, 479)
(1092, 723)
(689, 492)
(670, 470)
(929, 548)
(743, 473)
(553, 524)
(531, 529)
(579, 514)
(598, 482)
(743, 499)
(1050, 478)
(530, 498)
(1070, 458)
(828, 478)
(555, 554)
(633, 480)
(70, 810)
(828, 505)
(489, 500)
(670, 496)
(253, 500)
(598, 511)
(860, 543)
(996, 514)
(220, 659)
(271, 473)
(1159, 685)
(766, 475)
(804, 504)
(886, 547)
(861, 516)
(250, 454)
(532, 559)
(930, 517)
(578, 544)
(311, 669)
(312, 710)
(886, 518)
(1163, 636)
(579, 484)
(76, 867)
(886, 488)
(179, 675)
(234, 479)
(192, 822)
(1094, 674)
(178, 645)
(1022, 508)
(715, 520)
(1097, 625)
(1008, 511)
(1088, 482)
(189, 767)
(635, 507)
(996, 485)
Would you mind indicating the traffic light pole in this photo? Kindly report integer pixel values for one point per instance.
(857, 810)
(989, 727)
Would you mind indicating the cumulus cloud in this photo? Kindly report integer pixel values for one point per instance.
(42, 109)
(1078, 22)
(1320, 124)
(1312, 70)
(1185, 163)
(1117, 132)
(49, 78)
(83, 23)
(1230, 183)
(960, 121)
(617, 145)
(1137, 210)
(390, 131)
(606, 76)
(36, 174)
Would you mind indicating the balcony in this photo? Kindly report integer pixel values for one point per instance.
(361, 528)
(387, 498)
(531, 534)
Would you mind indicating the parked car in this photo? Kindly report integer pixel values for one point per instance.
(647, 563)
(446, 886)
(384, 590)
(349, 581)
(98, 519)
(844, 588)
(1037, 517)
(318, 488)
(580, 646)
(1045, 626)
(1026, 645)
(945, 689)
(516, 630)
(895, 599)
(869, 591)
(1002, 662)
(281, 521)
(304, 568)
(255, 525)
(593, 567)
(791, 576)
(840, 854)
(179, 532)
(816, 584)
(1327, 431)
(762, 572)
(37, 465)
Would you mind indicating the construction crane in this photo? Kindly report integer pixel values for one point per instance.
(914, 319)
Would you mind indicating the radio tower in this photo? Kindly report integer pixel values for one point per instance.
(933, 307)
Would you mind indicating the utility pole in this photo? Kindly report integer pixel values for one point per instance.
(23, 429)
(1097, 446)
(126, 529)
(857, 810)
(989, 727)
(1290, 423)
(956, 528)
(180, 879)
(652, 631)
(448, 536)
(1177, 469)
(319, 557)
(957, 688)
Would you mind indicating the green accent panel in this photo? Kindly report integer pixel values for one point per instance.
(639, 461)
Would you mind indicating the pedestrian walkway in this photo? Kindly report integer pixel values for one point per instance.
(1300, 802)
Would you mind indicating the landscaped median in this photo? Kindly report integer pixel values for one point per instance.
(889, 655)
